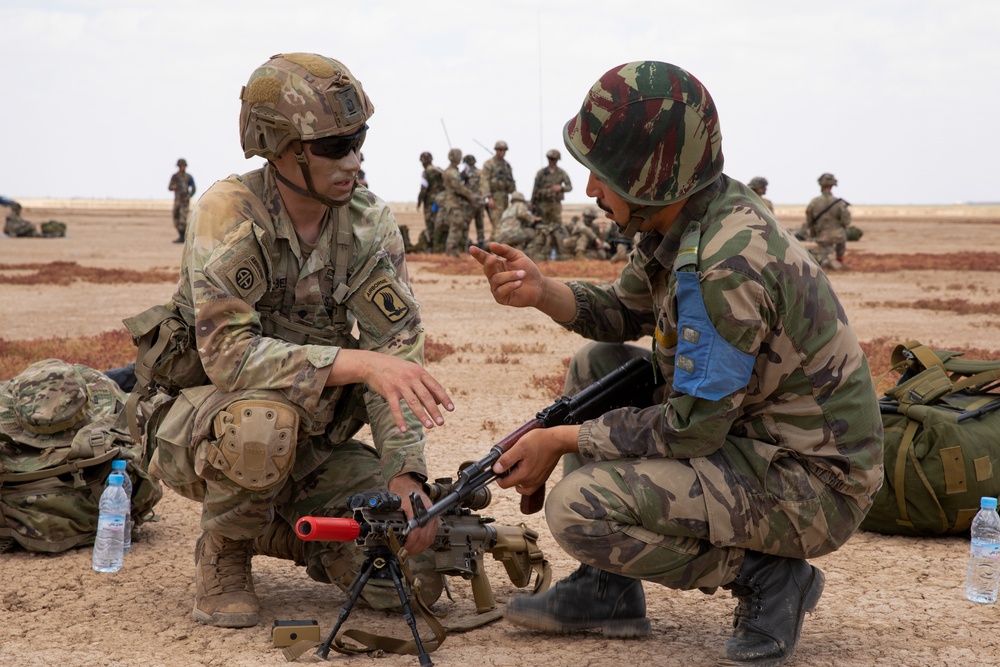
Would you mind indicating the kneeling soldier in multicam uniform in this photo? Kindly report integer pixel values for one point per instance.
(278, 266)
(765, 448)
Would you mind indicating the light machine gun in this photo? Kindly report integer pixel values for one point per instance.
(463, 538)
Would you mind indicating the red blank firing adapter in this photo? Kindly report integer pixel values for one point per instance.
(327, 529)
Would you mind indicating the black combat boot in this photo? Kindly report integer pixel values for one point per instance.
(774, 595)
(589, 598)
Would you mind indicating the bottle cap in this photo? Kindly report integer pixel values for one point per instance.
(119, 464)
(115, 478)
(988, 503)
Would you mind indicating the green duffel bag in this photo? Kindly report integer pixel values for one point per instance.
(942, 443)
(60, 428)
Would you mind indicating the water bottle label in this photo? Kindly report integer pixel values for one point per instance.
(111, 522)
(985, 549)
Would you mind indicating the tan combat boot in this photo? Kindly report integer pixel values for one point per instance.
(224, 593)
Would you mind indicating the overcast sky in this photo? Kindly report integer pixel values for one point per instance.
(898, 98)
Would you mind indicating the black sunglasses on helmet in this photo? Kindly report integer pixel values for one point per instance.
(338, 147)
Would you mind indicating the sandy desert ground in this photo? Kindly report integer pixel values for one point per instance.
(926, 273)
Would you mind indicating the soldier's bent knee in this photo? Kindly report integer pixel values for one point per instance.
(255, 442)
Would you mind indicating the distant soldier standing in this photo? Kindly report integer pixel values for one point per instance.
(431, 183)
(828, 218)
(472, 178)
(498, 184)
(457, 198)
(551, 184)
(516, 227)
(182, 185)
(759, 185)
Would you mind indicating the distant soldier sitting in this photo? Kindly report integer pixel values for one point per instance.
(516, 227)
(584, 239)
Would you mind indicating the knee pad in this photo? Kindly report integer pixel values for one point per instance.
(256, 442)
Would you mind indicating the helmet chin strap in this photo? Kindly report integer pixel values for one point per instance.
(300, 157)
(637, 216)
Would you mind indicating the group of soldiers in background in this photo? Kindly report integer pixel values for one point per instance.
(16, 226)
(457, 197)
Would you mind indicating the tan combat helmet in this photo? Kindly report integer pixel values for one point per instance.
(455, 155)
(182, 163)
(826, 180)
(757, 183)
(500, 145)
(517, 196)
(426, 158)
(554, 155)
(298, 97)
(590, 213)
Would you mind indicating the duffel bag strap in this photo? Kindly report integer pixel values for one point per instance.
(905, 452)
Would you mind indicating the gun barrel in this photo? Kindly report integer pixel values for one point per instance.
(327, 529)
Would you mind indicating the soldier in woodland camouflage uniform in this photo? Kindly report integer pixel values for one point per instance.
(431, 183)
(759, 185)
(457, 200)
(498, 185)
(517, 224)
(766, 446)
(472, 178)
(279, 265)
(182, 185)
(827, 219)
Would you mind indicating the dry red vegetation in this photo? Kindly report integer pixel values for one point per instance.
(105, 351)
(958, 306)
(64, 273)
(923, 261)
(595, 270)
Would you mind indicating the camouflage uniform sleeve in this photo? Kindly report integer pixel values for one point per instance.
(399, 452)
(687, 426)
(845, 214)
(614, 313)
(234, 352)
(567, 186)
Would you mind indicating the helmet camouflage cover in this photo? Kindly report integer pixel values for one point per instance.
(469, 159)
(757, 182)
(517, 196)
(650, 131)
(299, 96)
(590, 213)
(827, 179)
(500, 145)
(554, 155)
(455, 155)
(426, 157)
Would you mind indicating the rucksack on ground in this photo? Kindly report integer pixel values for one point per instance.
(942, 443)
(60, 427)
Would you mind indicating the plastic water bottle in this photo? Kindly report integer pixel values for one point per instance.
(111, 527)
(120, 466)
(984, 555)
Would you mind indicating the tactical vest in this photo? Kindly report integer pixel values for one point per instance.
(168, 357)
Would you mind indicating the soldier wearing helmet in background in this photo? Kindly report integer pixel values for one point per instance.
(431, 183)
(827, 219)
(759, 185)
(457, 200)
(498, 184)
(472, 178)
(280, 266)
(517, 224)
(182, 185)
(551, 185)
(762, 448)
(583, 240)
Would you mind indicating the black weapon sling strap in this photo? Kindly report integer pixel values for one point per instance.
(820, 215)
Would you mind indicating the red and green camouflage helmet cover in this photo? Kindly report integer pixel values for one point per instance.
(650, 131)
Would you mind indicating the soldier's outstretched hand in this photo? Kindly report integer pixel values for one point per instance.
(514, 279)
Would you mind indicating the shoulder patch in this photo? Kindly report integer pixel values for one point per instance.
(381, 304)
(239, 265)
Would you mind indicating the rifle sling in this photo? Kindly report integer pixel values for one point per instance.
(820, 215)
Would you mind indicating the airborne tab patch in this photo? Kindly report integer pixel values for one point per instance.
(383, 294)
(381, 304)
